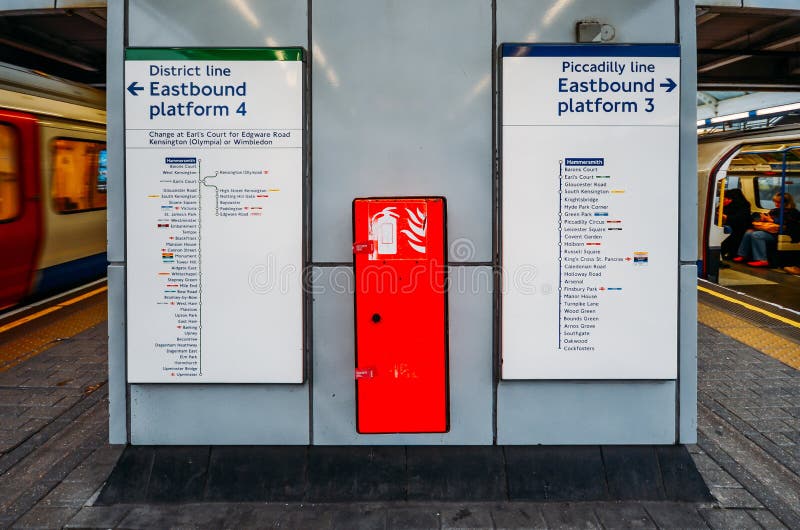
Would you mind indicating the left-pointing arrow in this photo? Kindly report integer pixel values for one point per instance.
(134, 88)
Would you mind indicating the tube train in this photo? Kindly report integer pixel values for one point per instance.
(53, 178)
(760, 163)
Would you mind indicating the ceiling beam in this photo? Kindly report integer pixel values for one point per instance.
(753, 52)
(49, 55)
(91, 16)
(764, 31)
(713, 65)
(751, 85)
(704, 17)
(38, 42)
(706, 99)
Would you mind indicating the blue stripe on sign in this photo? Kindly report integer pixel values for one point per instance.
(590, 50)
(70, 274)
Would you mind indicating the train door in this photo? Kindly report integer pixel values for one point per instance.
(20, 207)
(716, 228)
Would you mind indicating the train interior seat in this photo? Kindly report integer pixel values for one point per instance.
(785, 244)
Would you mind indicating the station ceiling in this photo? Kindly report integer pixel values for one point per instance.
(739, 49)
(68, 43)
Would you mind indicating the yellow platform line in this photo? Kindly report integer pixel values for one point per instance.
(23, 346)
(20, 347)
(751, 307)
(763, 340)
(48, 310)
(28, 318)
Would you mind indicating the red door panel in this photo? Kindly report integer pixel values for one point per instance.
(401, 315)
(20, 233)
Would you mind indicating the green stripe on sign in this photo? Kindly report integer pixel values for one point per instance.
(214, 54)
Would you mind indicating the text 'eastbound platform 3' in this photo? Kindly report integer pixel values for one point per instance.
(590, 211)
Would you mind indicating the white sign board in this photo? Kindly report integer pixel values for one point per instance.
(214, 198)
(590, 211)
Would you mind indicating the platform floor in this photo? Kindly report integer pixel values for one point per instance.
(773, 284)
(54, 458)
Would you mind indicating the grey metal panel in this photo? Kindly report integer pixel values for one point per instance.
(117, 400)
(215, 23)
(117, 379)
(576, 412)
(687, 301)
(402, 106)
(549, 21)
(688, 142)
(115, 129)
(470, 361)
(586, 412)
(687, 375)
(219, 414)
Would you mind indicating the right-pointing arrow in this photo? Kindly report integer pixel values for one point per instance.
(134, 88)
(669, 85)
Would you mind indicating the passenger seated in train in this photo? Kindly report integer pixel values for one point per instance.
(736, 215)
(764, 232)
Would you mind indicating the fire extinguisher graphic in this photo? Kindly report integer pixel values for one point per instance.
(383, 231)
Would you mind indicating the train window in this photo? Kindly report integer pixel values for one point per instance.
(754, 154)
(79, 175)
(10, 187)
(767, 187)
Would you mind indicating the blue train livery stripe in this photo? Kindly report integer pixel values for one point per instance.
(70, 274)
(590, 50)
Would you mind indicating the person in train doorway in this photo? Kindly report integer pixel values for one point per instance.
(764, 232)
(736, 215)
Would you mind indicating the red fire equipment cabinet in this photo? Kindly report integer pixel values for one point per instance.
(401, 364)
